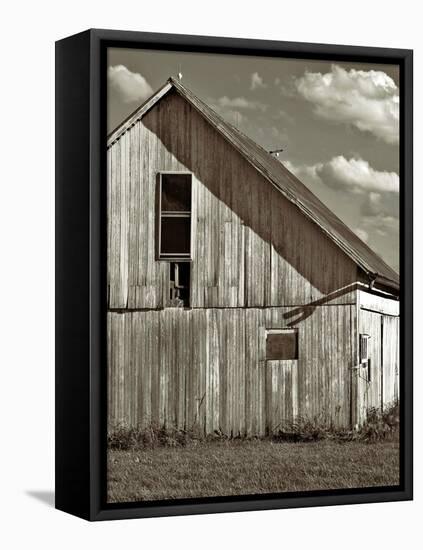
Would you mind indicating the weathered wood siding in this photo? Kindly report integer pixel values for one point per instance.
(207, 368)
(378, 303)
(257, 263)
(252, 247)
(382, 389)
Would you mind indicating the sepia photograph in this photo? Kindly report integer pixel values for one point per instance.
(253, 275)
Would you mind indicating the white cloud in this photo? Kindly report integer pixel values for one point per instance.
(357, 175)
(306, 173)
(225, 101)
(368, 100)
(257, 82)
(130, 86)
(377, 217)
(354, 175)
(362, 234)
(381, 223)
(234, 109)
(234, 117)
(380, 214)
(386, 204)
(239, 103)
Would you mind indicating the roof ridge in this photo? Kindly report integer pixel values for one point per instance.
(132, 118)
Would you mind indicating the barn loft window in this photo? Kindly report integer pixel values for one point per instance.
(364, 354)
(282, 344)
(174, 216)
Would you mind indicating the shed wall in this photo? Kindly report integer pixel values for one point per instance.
(381, 389)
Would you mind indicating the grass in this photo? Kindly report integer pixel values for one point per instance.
(160, 463)
(241, 467)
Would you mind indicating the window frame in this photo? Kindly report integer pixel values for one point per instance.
(282, 330)
(167, 256)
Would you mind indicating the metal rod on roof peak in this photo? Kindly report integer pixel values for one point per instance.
(276, 152)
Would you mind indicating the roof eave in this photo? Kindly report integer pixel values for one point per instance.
(384, 281)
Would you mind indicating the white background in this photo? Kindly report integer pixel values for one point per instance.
(28, 32)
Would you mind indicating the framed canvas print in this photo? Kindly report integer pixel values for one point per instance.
(234, 274)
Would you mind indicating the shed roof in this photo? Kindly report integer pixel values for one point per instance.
(276, 173)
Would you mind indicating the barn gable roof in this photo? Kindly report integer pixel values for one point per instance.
(276, 173)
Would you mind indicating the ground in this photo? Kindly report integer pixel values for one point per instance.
(241, 467)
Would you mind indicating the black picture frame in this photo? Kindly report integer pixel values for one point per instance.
(81, 273)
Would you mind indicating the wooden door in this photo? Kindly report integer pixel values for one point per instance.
(281, 394)
(390, 352)
(369, 373)
(378, 383)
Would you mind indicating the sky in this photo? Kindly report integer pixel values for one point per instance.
(337, 123)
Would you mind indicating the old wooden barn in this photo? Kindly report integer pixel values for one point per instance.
(236, 299)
